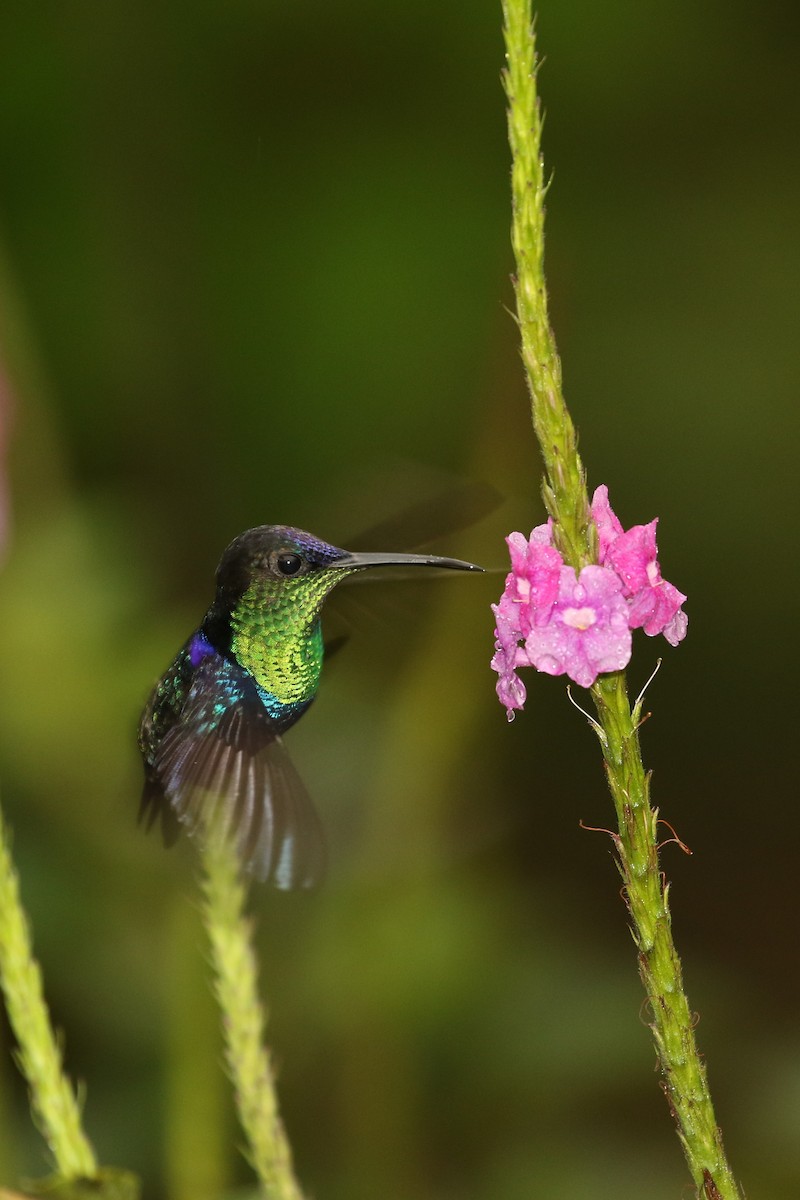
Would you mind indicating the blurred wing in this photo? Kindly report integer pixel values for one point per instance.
(223, 764)
(382, 599)
(429, 520)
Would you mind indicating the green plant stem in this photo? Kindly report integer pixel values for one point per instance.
(236, 986)
(566, 497)
(55, 1106)
(197, 1158)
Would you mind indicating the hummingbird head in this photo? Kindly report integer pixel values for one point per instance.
(271, 584)
(274, 557)
(277, 577)
(281, 559)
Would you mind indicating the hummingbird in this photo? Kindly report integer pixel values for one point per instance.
(211, 733)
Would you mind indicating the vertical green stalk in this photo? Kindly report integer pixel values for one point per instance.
(564, 485)
(55, 1106)
(236, 986)
(197, 1131)
(565, 494)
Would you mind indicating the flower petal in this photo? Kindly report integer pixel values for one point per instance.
(634, 556)
(608, 524)
(584, 648)
(510, 688)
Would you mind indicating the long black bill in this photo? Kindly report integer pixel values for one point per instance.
(403, 560)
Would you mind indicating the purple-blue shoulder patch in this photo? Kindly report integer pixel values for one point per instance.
(199, 648)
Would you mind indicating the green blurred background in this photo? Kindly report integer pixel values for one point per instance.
(253, 257)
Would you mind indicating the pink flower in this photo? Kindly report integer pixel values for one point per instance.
(567, 625)
(564, 624)
(655, 604)
(510, 688)
(588, 631)
(530, 592)
(532, 586)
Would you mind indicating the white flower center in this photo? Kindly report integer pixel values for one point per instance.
(580, 618)
(653, 573)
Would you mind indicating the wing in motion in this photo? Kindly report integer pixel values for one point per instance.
(220, 764)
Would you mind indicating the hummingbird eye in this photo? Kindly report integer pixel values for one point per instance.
(288, 563)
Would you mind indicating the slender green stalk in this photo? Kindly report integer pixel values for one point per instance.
(236, 986)
(54, 1103)
(565, 493)
(197, 1130)
(564, 485)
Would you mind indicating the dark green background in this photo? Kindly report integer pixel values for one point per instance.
(253, 256)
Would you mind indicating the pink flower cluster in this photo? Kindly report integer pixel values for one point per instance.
(580, 625)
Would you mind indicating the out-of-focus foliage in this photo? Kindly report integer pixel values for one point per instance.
(110, 1184)
(252, 256)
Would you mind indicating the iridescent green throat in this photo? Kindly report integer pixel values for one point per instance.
(276, 634)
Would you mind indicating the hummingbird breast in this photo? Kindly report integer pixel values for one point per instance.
(279, 647)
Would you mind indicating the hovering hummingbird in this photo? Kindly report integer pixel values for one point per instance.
(210, 734)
